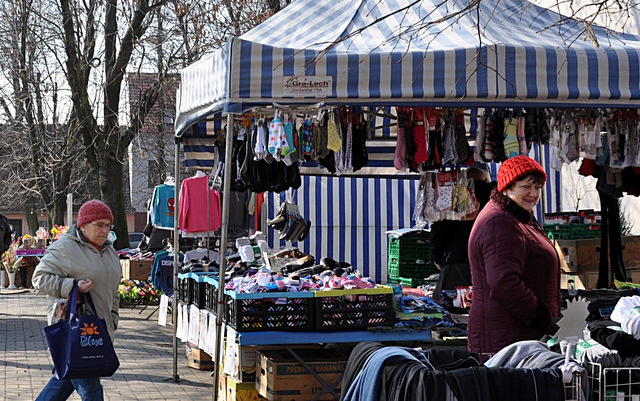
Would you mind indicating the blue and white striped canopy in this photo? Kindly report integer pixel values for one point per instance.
(401, 52)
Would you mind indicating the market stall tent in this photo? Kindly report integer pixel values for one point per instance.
(391, 53)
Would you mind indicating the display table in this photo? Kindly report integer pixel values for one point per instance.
(31, 258)
(288, 338)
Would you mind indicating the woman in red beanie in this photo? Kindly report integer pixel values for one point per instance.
(84, 254)
(515, 269)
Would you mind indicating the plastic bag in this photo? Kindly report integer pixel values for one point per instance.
(59, 310)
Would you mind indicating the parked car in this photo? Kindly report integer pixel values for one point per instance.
(135, 238)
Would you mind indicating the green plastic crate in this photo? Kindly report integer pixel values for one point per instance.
(400, 269)
(573, 230)
(409, 281)
(558, 231)
(409, 248)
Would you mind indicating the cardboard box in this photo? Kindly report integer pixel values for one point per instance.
(240, 362)
(583, 255)
(136, 269)
(238, 391)
(591, 278)
(222, 387)
(280, 377)
(571, 281)
(198, 359)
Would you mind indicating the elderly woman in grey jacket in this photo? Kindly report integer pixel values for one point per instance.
(83, 254)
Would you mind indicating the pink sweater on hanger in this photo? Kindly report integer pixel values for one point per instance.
(193, 206)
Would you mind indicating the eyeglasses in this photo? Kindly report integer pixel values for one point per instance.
(102, 226)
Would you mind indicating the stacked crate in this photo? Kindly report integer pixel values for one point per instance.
(409, 259)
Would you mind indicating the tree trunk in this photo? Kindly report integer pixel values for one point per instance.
(31, 215)
(112, 192)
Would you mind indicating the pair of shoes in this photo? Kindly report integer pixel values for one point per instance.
(297, 230)
(287, 253)
(281, 216)
(333, 264)
(296, 265)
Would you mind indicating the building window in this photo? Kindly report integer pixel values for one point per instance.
(154, 177)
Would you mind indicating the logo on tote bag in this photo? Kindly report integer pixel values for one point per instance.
(87, 334)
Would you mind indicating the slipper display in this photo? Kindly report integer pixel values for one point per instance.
(292, 226)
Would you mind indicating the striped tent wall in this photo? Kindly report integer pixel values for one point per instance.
(349, 217)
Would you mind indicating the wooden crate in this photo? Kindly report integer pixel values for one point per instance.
(136, 269)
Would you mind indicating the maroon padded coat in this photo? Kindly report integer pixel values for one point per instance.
(515, 273)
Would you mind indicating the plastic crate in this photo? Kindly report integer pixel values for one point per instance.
(559, 231)
(409, 281)
(184, 293)
(407, 269)
(211, 294)
(613, 384)
(280, 311)
(579, 231)
(354, 309)
(573, 230)
(410, 248)
(197, 287)
(192, 288)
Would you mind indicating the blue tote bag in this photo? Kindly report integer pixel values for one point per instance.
(80, 346)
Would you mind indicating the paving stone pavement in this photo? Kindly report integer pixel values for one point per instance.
(145, 350)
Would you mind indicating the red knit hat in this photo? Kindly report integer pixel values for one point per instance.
(516, 167)
(93, 210)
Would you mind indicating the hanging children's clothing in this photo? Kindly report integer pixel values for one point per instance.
(162, 206)
(162, 270)
(193, 206)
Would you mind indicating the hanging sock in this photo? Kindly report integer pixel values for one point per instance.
(399, 156)
(322, 139)
(449, 141)
(333, 141)
(511, 147)
(360, 155)
(419, 138)
(573, 142)
(277, 138)
(478, 149)
(522, 140)
(463, 150)
(289, 146)
(307, 138)
(488, 144)
(260, 149)
(497, 138)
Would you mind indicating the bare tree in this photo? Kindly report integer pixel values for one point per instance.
(43, 150)
(104, 39)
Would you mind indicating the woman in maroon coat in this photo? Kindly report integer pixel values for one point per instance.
(515, 269)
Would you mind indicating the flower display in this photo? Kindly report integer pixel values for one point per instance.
(57, 231)
(42, 233)
(132, 291)
(9, 260)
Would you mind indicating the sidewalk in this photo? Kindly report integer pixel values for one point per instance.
(144, 348)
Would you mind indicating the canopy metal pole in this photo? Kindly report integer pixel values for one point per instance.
(543, 196)
(224, 228)
(176, 261)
